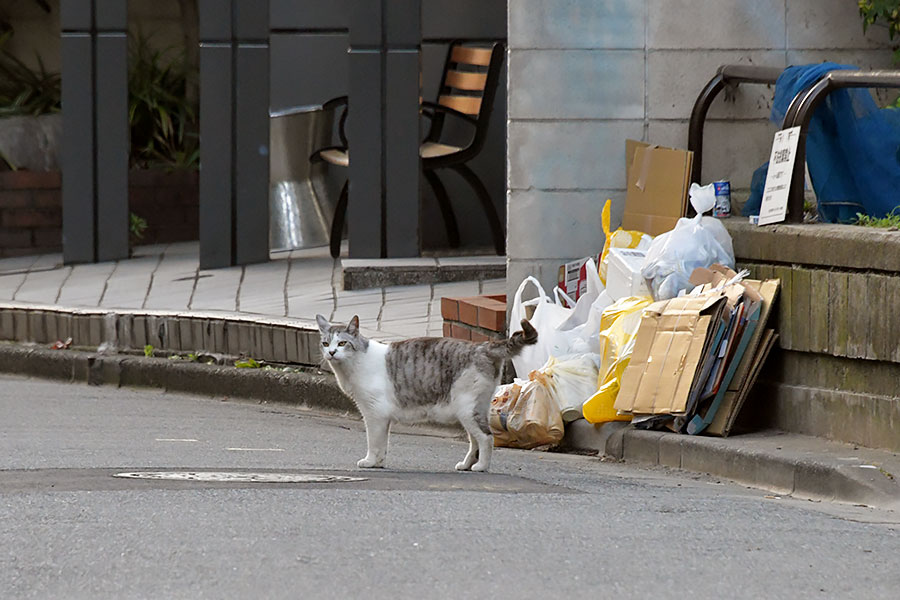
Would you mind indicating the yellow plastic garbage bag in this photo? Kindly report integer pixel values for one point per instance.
(620, 238)
(524, 415)
(620, 323)
(599, 407)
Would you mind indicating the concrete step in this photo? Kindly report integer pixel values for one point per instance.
(373, 273)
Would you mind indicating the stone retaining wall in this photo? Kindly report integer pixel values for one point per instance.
(838, 320)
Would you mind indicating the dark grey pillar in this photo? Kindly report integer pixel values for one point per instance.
(402, 165)
(251, 135)
(234, 132)
(366, 206)
(216, 133)
(383, 127)
(111, 88)
(95, 131)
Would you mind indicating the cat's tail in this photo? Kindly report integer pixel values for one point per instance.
(520, 339)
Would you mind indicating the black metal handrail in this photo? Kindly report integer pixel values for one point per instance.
(801, 110)
(727, 75)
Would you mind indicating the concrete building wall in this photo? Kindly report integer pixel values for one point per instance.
(584, 75)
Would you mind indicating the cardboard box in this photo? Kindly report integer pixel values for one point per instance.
(572, 277)
(658, 180)
(623, 273)
(569, 276)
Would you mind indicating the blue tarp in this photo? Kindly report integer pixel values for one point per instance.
(852, 148)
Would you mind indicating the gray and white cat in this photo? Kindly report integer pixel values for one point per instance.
(435, 379)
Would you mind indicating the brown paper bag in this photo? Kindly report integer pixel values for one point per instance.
(525, 416)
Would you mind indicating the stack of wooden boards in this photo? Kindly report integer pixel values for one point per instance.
(696, 357)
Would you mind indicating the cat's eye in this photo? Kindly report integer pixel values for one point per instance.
(325, 344)
(342, 343)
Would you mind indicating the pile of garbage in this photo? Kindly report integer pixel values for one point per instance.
(658, 331)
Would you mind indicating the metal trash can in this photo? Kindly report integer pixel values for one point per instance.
(302, 197)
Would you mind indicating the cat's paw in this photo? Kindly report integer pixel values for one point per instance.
(369, 463)
(463, 466)
(480, 467)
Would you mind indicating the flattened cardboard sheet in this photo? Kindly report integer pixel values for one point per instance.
(671, 340)
(752, 359)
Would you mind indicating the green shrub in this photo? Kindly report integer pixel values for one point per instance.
(163, 122)
(884, 13)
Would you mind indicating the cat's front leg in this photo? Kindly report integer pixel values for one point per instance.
(377, 431)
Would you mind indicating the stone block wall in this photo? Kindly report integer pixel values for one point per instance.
(584, 75)
(838, 319)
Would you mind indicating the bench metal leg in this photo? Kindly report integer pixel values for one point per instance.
(337, 222)
(486, 203)
(443, 200)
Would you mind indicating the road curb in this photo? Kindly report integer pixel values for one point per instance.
(311, 389)
(754, 460)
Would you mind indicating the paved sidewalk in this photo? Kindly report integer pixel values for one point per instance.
(296, 284)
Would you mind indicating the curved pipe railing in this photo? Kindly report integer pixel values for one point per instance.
(802, 108)
(727, 75)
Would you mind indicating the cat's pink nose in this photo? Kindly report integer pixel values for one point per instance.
(331, 352)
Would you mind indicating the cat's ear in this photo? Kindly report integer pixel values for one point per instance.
(353, 325)
(323, 323)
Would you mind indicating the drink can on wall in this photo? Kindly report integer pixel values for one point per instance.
(722, 209)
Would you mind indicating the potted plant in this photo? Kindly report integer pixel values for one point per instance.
(30, 126)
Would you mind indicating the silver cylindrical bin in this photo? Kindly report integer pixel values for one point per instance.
(302, 196)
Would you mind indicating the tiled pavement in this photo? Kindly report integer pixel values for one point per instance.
(299, 284)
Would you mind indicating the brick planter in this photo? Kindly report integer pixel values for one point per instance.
(479, 318)
(169, 202)
(31, 209)
(30, 213)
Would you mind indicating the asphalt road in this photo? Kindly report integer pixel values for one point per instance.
(540, 526)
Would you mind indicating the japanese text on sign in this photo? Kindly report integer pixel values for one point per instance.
(778, 179)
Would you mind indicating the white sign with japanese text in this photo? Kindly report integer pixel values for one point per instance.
(778, 180)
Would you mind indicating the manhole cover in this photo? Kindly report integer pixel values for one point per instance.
(238, 477)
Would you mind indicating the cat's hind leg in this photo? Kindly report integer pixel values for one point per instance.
(476, 425)
(377, 431)
(471, 456)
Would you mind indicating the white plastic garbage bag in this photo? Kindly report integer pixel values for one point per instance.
(569, 381)
(561, 330)
(696, 242)
(546, 319)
